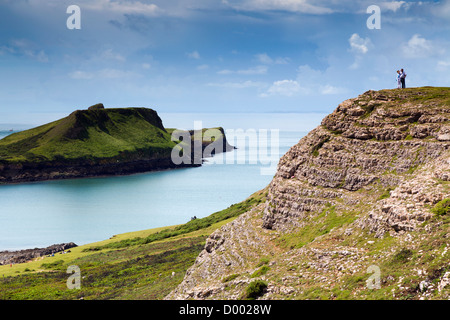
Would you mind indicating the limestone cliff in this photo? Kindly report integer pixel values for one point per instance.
(368, 188)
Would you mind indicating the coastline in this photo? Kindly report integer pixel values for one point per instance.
(102, 142)
(26, 255)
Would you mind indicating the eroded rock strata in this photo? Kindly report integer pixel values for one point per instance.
(357, 191)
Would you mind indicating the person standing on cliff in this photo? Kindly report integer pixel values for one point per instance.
(399, 82)
(402, 78)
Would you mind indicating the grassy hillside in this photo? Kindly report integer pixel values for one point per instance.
(102, 142)
(90, 134)
(138, 265)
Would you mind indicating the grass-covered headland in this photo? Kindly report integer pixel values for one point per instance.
(93, 142)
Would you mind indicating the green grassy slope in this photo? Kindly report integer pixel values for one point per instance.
(145, 264)
(90, 134)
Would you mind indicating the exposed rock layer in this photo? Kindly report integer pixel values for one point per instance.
(372, 138)
(373, 169)
(21, 256)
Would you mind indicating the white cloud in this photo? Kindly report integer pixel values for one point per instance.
(282, 60)
(265, 59)
(203, 67)
(238, 85)
(442, 9)
(309, 81)
(23, 47)
(443, 64)
(359, 45)
(302, 6)
(284, 88)
(109, 54)
(318, 7)
(225, 71)
(193, 55)
(102, 74)
(443, 67)
(392, 5)
(250, 71)
(419, 47)
(254, 70)
(122, 7)
(81, 75)
(329, 89)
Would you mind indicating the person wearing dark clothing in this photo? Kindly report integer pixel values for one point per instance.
(402, 78)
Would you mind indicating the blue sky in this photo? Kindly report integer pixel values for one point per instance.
(214, 55)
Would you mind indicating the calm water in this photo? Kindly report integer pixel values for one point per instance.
(93, 209)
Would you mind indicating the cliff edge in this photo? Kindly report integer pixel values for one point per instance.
(358, 209)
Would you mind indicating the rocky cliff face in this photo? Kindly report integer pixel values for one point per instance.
(360, 190)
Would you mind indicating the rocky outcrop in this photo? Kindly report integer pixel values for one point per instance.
(21, 256)
(368, 139)
(229, 248)
(409, 203)
(355, 192)
(54, 170)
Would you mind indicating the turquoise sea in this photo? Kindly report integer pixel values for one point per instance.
(88, 210)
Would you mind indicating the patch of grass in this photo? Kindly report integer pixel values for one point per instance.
(53, 265)
(442, 207)
(231, 277)
(261, 271)
(368, 108)
(412, 169)
(120, 274)
(316, 148)
(401, 257)
(386, 194)
(319, 225)
(263, 261)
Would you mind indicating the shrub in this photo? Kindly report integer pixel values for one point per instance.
(442, 207)
(255, 289)
(402, 256)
